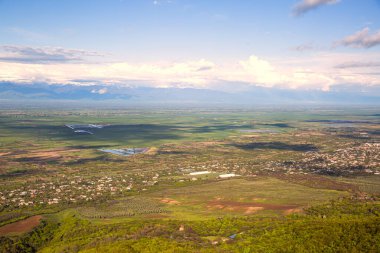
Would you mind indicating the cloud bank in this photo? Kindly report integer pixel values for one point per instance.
(46, 55)
(361, 39)
(304, 47)
(316, 71)
(358, 65)
(308, 5)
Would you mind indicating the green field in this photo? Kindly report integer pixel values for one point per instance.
(301, 175)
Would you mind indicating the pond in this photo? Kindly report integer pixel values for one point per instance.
(125, 151)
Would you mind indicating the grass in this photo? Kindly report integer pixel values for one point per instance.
(233, 192)
(239, 197)
(366, 184)
(37, 149)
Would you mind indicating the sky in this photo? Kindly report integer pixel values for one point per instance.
(216, 44)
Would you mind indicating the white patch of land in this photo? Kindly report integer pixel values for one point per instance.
(228, 175)
(199, 173)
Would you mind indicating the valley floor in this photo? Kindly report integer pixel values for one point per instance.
(207, 180)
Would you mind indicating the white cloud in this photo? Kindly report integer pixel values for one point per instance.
(308, 5)
(261, 71)
(357, 64)
(161, 2)
(186, 74)
(316, 71)
(361, 39)
(304, 47)
(43, 55)
(100, 91)
(283, 74)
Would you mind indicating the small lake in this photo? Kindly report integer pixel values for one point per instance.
(126, 151)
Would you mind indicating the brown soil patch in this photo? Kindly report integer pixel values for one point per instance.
(170, 201)
(151, 151)
(318, 182)
(293, 210)
(45, 154)
(253, 209)
(21, 226)
(247, 208)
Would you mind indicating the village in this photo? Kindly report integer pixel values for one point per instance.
(362, 159)
(69, 190)
(66, 189)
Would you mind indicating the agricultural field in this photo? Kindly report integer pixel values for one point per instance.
(190, 180)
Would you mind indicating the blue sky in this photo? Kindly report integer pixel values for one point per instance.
(192, 43)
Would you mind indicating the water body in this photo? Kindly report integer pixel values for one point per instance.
(126, 151)
(78, 126)
(258, 131)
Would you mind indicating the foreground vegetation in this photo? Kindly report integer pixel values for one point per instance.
(340, 226)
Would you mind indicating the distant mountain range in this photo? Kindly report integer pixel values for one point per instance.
(251, 95)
